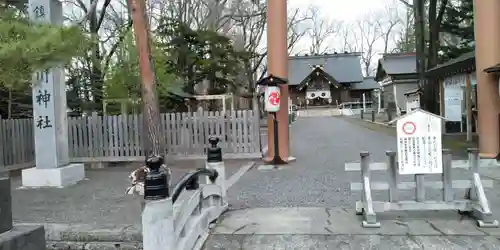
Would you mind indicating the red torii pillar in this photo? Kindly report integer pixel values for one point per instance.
(487, 35)
(277, 62)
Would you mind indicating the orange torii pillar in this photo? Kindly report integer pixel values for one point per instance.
(487, 34)
(277, 61)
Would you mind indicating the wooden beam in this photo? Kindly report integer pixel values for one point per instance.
(441, 97)
(468, 106)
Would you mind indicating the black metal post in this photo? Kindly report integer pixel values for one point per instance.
(156, 180)
(214, 152)
(373, 115)
(277, 159)
(5, 205)
(362, 114)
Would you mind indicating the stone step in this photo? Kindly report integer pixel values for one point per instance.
(319, 112)
(338, 228)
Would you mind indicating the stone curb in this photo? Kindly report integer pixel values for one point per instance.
(86, 234)
(72, 245)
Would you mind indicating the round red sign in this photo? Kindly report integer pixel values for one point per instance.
(274, 98)
(409, 128)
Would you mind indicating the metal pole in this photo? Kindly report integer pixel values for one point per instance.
(154, 143)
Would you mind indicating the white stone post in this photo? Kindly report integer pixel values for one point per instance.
(158, 225)
(221, 179)
(50, 116)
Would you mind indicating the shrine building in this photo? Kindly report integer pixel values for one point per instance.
(328, 79)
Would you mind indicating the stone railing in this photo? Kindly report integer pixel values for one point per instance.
(182, 221)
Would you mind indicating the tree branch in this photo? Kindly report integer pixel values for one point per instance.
(406, 3)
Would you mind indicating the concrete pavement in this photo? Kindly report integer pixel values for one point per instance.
(336, 228)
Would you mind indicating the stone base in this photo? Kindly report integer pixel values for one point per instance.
(290, 159)
(53, 177)
(23, 238)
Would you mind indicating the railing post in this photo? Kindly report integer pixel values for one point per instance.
(5, 205)
(447, 177)
(158, 216)
(481, 212)
(393, 178)
(158, 225)
(370, 218)
(215, 162)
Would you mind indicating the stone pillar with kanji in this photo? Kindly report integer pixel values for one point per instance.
(50, 121)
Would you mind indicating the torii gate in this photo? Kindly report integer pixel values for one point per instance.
(487, 35)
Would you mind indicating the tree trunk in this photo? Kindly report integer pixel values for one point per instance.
(155, 140)
(435, 19)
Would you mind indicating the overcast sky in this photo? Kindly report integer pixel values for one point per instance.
(341, 9)
(347, 11)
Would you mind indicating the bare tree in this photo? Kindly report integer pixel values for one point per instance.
(388, 20)
(107, 27)
(366, 35)
(320, 31)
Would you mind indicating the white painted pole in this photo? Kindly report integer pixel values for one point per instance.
(221, 179)
(379, 95)
(364, 103)
(158, 225)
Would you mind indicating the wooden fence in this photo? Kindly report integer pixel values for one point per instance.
(120, 138)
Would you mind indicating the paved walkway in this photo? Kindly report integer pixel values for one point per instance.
(322, 145)
(328, 229)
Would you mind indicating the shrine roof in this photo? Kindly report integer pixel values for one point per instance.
(367, 84)
(344, 67)
(396, 64)
(466, 63)
(419, 110)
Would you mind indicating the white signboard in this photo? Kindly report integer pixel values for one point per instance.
(419, 144)
(453, 104)
(454, 88)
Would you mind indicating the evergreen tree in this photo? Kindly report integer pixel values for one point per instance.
(458, 27)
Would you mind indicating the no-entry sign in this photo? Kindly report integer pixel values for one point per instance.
(409, 128)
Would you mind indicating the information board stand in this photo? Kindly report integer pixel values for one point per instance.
(420, 153)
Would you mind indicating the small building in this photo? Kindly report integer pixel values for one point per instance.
(327, 80)
(457, 92)
(397, 74)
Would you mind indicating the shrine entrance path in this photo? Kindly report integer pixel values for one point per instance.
(322, 145)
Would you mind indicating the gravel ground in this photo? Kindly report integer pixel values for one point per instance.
(99, 200)
(322, 145)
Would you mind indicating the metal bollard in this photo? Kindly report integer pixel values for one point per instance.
(393, 179)
(362, 114)
(215, 162)
(369, 216)
(446, 177)
(373, 115)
